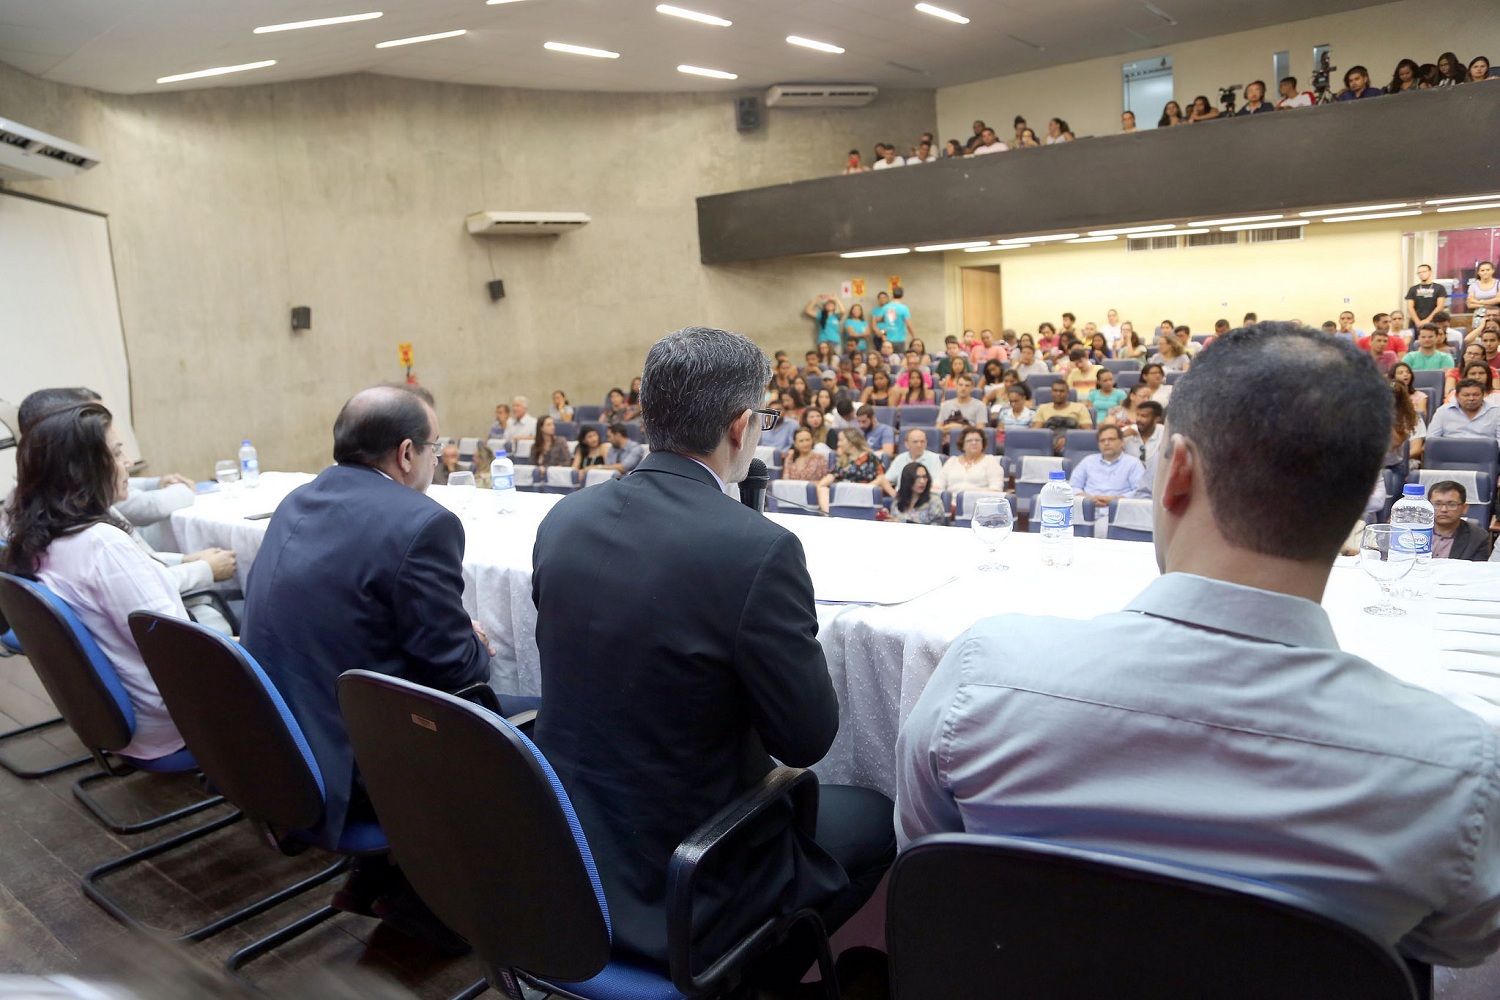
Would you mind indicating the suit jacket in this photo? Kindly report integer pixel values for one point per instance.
(1470, 542)
(679, 653)
(357, 570)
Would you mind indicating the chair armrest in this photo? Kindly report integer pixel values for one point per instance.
(799, 787)
(480, 694)
(218, 600)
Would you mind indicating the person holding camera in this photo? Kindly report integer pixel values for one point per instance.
(854, 166)
(1255, 99)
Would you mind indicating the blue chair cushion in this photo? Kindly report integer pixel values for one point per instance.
(287, 719)
(172, 763)
(623, 981)
(10, 642)
(95, 655)
(362, 838)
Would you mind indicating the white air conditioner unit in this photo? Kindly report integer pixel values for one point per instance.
(820, 95)
(524, 223)
(29, 155)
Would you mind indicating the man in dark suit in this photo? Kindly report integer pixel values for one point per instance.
(1452, 536)
(360, 569)
(679, 654)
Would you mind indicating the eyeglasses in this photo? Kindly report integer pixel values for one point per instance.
(436, 446)
(768, 418)
(1447, 504)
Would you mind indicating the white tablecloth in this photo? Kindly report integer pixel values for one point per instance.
(881, 656)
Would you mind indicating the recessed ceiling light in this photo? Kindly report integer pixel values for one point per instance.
(691, 15)
(1455, 201)
(1373, 215)
(496, 3)
(1234, 222)
(1470, 208)
(1189, 232)
(970, 245)
(1093, 239)
(877, 253)
(216, 71)
(808, 43)
(946, 15)
(717, 74)
(1345, 211)
(580, 50)
(414, 39)
(1007, 246)
(317, 22)
(1132, 229)
(1264, 225)
(1042, 239)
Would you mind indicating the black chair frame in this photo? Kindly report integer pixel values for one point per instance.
(112, 768)
(36, 727)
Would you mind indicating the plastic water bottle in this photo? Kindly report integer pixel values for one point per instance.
(1415, 512)
(1055, 505)
(249, 465)
(503, 482)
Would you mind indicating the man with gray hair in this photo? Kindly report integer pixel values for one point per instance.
(679, 655)
(522, 425)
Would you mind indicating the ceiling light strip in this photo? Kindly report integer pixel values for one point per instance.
(1008, 246)
(1345, 211)
(1041, 239)
(877, 253)
(1237, 221)
(579, 50)
(1470, 208)
(1093, 239)
(690, 15)
(216, 71)
(969, 245)
(946, 15)
(317, 22)
(415, 39)
(1373, 215)
(716, 74)
(1455, 201)
(1130, 231)
(808, 43)
(1266, 225)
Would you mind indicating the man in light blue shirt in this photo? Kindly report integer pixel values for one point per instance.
(1470, 415)
(880, 437)
(898, 320)
(624, 454)
(1214, 722)
(1111, 474)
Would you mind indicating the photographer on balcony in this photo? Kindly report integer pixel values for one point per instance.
(1255, 99)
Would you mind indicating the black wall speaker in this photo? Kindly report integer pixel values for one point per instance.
(747, 113)
(301, 317)
(497, 290)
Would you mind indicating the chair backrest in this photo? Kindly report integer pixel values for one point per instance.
(522, 450)
(562, 475)
(968, 498)
(494, 846)
(966, 914)
(885, 415)
(1128, 378)
(918, 415)
(77, 675)
(768, 454)
(855, 495)
(1431, 382)
(596, 476)
(1041, 385)
(1078, 444)
(234, 721)
(587, 414)
(1036, 468)
(565, 430)
(814, 382)
(934, 438)
(1174, 376)
(1480, 454)
(1023, 441)
(1474, 483)
(1118, 365)
(467, 447)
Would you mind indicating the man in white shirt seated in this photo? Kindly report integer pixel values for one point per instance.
(988, 143)
(1028, 365)
(922, 154)
(522, 425)
(916, 451)
(1470, 415)
(1110, 474)
(1291, 97)
(888, 160)
(963, 410)
(1214, 722)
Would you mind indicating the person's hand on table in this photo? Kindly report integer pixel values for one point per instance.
(172, 479)
(221, 561)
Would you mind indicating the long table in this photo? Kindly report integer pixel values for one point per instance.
(881, 655)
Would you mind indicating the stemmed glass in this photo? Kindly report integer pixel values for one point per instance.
(992, 522)
(227, 473)
(1387, 552)
(462, 485)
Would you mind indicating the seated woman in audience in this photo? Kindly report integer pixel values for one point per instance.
(790, 405)
(802, 461)
(817, 422)
(547, 449)
(483, 456)
(1046, 340)
(561, 409)
(878, 392)
(1479, 70)
(1450, 70)
(1058, 131)
(923, 358)
(822, 401)
(801, 391)
(828, 359)
(1104, 397)
(1473, 355)
(1401, 372)
(634, 397)
(874, 362)
(991, 378)
(617, 409)
(1015, 410)
(1154, 377)
(958, 366)
(856, 329)
(1130, 344)
(972, 469)
(1170, 355)
(1099, 351)
(1171, 115)
(915, 501)
(953, 148)
(1407, 77)
(916, 391)
(71, 468)
(855, 463)
(1202, 111)
(1485, 378)
(1408, 428)
(591, 450)
(1123, 414)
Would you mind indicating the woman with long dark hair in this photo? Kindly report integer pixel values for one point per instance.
(1202, 111)
(1450, 70)
(1406, 77)
(915, 503)
(855, 329)
(70, 470)
(1171, 115)
(548, 448)
(592, 450)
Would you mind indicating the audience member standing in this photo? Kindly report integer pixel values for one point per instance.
(1215, 722)
(898, 325)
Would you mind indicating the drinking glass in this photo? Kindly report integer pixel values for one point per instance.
(1387, 552)
(462, 486)
(992, 522)
(227, 473)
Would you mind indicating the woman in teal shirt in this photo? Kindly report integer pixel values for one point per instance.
(1106, 397)
(854, 329)
(826, 312)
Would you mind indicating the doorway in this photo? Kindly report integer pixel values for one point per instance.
(1148, 88)
(981, 298)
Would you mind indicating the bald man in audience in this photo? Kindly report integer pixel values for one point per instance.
(1214, 722)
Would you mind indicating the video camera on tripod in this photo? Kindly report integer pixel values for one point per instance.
(1226, 98)
(1321, 72)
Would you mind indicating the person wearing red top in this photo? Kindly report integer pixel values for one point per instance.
(1382, 324)
(1378, 346)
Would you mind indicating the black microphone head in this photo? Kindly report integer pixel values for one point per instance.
(757, 471)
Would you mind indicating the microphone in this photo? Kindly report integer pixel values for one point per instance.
(783, 502)
(753, 487)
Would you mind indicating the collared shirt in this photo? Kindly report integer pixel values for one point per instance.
(879, 435)
(1124, 477)
(1436, 361)
(931, 461)
(1442, 545)
(1220, 726)
(629, 456)
(1451, 421)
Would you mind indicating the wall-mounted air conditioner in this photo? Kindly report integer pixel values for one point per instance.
(820, 95)
(524, 223)
(27, 154)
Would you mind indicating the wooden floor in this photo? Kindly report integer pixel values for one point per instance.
(48, 840)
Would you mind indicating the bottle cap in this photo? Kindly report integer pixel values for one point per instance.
(244, 443)
(1056, 474)
(1413, 490)
(500, 453)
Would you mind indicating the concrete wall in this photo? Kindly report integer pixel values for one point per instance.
(1088, 95)
(229, 206)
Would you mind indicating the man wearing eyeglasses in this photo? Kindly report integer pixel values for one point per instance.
(1452, 536)
(679, 655)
